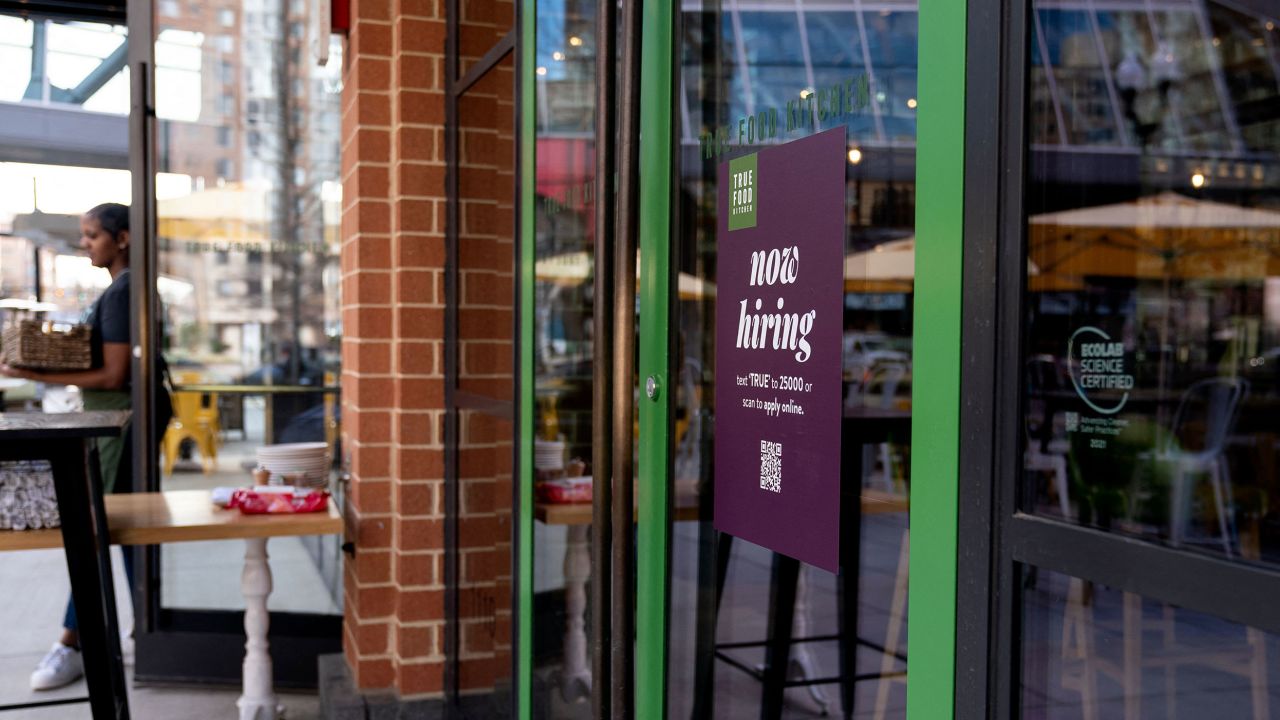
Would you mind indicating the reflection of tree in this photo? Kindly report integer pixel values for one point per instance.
(287, 214)
(293, 275)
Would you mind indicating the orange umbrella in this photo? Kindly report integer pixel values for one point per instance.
(1165, 236)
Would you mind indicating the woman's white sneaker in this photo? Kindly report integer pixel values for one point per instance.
(62, 666)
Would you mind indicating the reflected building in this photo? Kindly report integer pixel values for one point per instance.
(256, 236)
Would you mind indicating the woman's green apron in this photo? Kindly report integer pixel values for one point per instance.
(110, 449)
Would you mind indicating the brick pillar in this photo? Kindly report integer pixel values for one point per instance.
(418, 260)
(393, 385)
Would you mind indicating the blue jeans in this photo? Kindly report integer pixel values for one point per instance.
(123, 484)
(69, 619)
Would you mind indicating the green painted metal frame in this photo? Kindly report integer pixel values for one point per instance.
(935, 402)
(654, 292)
(525, 63)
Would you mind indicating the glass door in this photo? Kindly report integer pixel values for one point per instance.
(240, 176)
(749, 631)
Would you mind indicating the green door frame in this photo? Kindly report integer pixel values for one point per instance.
(936, 371)
(526, 141)
(935, 392)
(657, 164)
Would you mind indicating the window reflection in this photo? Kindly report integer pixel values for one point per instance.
(837, 55)
(247, 258)
(772, 55)
(1153, 312)
(1250, 50)
(1073, 50)
(1094, 651)
(891, 45)
(564, 246)
(721, 616)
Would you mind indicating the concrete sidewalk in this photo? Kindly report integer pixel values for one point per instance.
(31, 620)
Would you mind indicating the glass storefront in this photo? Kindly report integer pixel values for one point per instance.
(1147, 361)
(248, 272)
(1068, 346)
(1149, 309)
(247, 191)
(735, 62)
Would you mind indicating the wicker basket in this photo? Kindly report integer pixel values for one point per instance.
(37, 346)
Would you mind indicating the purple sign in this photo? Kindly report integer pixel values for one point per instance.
(779, 320)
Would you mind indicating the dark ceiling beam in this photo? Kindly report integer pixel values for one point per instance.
(111, 11)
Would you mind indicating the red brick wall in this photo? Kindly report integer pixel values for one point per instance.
(393, 259)
(393, 323)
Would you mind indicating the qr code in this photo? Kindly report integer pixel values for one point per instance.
(771, 466)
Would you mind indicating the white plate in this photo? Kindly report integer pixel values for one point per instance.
(296, 446)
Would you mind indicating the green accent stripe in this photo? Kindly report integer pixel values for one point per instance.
(524, 424)
(935, 374)
(657, 31)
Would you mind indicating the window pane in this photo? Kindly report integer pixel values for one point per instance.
(774, 57)
(1081, 80)
(248, 266)
(720, 608)
(891, 43)
(1153, 305)
(835, 47)
(1093, 651)
(1249, 49)
(564, 250)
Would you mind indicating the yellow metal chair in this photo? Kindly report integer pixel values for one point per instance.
(192, 420)
(208, 410)
(330, 412)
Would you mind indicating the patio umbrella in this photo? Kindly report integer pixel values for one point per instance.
(1163, 237)
(889, 267)
(1157, 237)
(575, 268)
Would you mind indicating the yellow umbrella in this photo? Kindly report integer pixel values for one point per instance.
(886, 268)
(1156, 237)
(574, 268)
(1163, 237)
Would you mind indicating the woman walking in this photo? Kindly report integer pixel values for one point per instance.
(104, 235)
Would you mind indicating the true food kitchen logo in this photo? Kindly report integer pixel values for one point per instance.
(1098, 368)
(742, 192)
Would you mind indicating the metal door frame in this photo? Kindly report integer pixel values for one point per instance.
(184, 645)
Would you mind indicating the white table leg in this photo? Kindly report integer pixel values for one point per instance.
(258, 698)
(575, 681)
(802, 626)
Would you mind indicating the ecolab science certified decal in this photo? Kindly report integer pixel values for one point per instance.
(1102, 378)
(779, 319)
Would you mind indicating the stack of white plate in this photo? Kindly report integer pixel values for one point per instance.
(548, 455)
(311, 459)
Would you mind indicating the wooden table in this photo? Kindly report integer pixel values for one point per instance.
(67, 442)
(180, 516)
(190, 515)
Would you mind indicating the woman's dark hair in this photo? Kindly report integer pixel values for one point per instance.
(113, 217)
